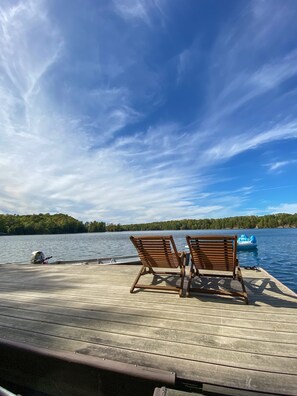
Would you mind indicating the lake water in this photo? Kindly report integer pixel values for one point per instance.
(277, 248)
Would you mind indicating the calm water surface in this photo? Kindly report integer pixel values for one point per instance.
(276, 251)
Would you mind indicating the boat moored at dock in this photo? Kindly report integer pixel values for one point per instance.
(38, 257)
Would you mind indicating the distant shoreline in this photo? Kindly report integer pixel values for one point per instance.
(51, 224)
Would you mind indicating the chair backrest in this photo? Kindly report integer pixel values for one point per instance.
(213, 252)
(157, 251)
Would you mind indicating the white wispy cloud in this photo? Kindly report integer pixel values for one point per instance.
(283, 208)
(242, 69)
(92, 149)
(235, 145)
(24, 58)
(144, 10)
(273, 74)
(276, 166)
(184, 60)
(132, 9)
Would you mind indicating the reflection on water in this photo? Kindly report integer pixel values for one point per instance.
(276, 251)
(249, 258)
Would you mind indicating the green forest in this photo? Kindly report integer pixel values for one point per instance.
(64, 224)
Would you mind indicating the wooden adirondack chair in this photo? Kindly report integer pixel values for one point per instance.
(215, 256)
(159, 256)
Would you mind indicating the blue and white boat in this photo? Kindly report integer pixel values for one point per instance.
(246, 243)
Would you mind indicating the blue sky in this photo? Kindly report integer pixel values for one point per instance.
(134, 111)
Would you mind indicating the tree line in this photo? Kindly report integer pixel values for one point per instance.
(65, 224)
(46, 224)
(281, 220)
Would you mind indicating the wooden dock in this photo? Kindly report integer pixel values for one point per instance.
(86, 314)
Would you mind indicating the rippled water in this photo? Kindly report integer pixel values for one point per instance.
(276, 251)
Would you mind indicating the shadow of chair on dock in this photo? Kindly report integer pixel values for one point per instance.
(268, 291)
(208, 289)
(261, 290)
(162, 280)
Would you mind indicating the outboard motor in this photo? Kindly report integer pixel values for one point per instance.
(38, 257)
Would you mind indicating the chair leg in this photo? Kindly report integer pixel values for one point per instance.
(182, 281)
(192, 274)
(242, 285)
(141, 272)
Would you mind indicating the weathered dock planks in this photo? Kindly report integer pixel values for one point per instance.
(87, 310)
